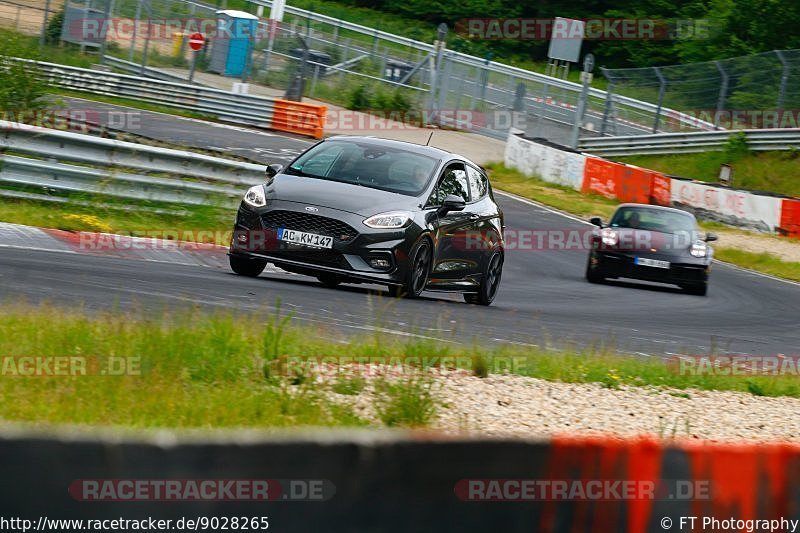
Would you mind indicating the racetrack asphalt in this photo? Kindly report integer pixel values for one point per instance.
(543, 299)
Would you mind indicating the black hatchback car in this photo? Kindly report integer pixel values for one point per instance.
(362, 209)
(651, 243)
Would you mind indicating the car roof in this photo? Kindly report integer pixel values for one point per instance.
(430, 151)
(657, 207)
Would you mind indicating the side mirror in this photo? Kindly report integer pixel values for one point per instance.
(711, 237)
(452, 203)
(273, 170)
(597, 221)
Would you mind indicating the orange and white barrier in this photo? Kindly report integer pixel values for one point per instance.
(629, 183)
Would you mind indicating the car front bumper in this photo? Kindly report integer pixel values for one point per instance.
(680, 271)
(255, 236)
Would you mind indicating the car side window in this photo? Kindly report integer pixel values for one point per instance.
(454, 181)
(478, 183)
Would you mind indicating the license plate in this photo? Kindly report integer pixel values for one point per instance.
(307, 239)
(643, 261)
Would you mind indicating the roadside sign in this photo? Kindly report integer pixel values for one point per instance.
(196, 41)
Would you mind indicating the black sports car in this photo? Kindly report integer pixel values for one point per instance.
(362, 209)
(651, 243)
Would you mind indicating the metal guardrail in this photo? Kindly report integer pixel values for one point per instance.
(681, 143)
(230, 107)
(66, 162)
(151, 72)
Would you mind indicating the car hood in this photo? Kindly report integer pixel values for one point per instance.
(655, 244)
(355, 199)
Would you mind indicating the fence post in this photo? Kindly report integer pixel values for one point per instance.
(444, 84)
(723, 91)
(661, 90)
(608, 106)
(43, 37)
(784, 80)
(538, 127)
(137, 16)
(586, 75)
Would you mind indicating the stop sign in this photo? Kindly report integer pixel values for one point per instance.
(196, 41)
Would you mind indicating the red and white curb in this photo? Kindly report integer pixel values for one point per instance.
(116, 246)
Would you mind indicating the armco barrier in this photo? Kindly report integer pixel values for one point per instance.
(628, 183)
(404, 481)
(790, 217)
(296, 117)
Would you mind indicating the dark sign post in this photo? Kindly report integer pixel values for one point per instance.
(196, 42)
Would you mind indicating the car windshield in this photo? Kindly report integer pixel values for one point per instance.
(367, 164)
(650, 219)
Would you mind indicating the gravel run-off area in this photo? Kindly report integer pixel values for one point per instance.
(517, 406)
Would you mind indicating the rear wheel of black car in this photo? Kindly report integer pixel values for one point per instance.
(592, 276)
(490, 282)
(417, 275)
(329, 280)
(247, 267)
(699, 289)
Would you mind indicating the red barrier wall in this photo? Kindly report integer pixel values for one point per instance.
(634, 184)
(600, 177)
(790, 216)
(661, 189)
(614, 180)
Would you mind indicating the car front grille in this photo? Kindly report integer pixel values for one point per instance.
(309, 224)
(328, 258)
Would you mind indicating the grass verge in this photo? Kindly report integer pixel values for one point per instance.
(221, 377)
(191, 221)
(760, 171)
(585, 205)
(762, 262)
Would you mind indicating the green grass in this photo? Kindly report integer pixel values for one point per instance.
(219, 379)
(761, 171)
(560, 197)
(761, 262)
(409, 403)
(116, 220)
(128, 102)
(27, 46)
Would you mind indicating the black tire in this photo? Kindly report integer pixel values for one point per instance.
(591, 275)
(700, 289)
(244, 266)
(490, 282)
(329, 280)
(419, 268)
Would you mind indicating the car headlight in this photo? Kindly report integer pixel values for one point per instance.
(391, 220)
(699, 249)
(255, 196)
(609, 237)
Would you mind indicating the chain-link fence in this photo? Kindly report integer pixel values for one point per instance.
(756, 91)
(368, 70)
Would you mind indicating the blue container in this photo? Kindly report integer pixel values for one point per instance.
(233, 43)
